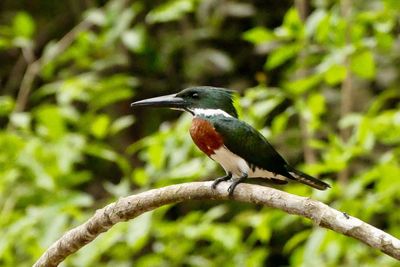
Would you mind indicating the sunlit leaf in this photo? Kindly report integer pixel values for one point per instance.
(335, 74)
(23, 25)
(134, 39)
(292, 22)
(258, 35)
(281, 55)
(169, 11)
(51, 122)
(363, 64)
(303, 85)
(121, 124)
(21, 120)
(100, 125)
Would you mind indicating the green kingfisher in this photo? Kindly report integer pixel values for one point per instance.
(240, 149)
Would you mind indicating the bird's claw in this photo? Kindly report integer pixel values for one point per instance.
(221, 179)
(231, 188)
(215, 183)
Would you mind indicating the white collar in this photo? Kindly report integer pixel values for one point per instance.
(208, 112)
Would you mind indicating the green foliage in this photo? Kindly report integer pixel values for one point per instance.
(75, 146)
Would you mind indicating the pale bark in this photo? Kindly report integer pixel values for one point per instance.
(132, 206)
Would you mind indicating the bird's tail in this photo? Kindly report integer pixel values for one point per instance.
(306, 179)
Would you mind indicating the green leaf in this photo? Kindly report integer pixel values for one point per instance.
(6, 105)
(169, 11)
(21, 120)
(279, 123)
(316, 103)
(314, 22)
(140, 177)
(99, 127)
(293, 24)
(121, 124)
(5, 43)
(50, 121)
(134, 39)
(296, 240)
(281, 55)
(302, 85)
(258, 35)
(138, 230)
(100, 150)
(23, 25)
(335, 74)
(363, 64)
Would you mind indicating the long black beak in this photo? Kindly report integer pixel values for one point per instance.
(168, 101)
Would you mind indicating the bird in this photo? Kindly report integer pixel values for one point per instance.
(241, 150)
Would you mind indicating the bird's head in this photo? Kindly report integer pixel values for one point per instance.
(196, 100)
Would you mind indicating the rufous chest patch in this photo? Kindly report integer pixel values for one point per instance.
(205, 136)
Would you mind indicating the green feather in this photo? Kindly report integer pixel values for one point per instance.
(246, 142)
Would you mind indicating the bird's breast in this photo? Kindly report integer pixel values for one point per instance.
(205, 136)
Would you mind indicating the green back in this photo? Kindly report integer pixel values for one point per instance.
(246, 142)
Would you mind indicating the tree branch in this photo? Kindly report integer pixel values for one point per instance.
(132, 206)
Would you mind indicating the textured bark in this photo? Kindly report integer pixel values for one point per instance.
(132, 206)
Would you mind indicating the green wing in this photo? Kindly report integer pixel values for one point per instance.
(246, 142)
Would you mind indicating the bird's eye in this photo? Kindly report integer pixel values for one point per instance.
(195, 95)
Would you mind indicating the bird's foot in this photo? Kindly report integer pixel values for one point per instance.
(232, 187)
(221, 179)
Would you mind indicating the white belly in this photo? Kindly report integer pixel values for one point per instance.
(237, 166)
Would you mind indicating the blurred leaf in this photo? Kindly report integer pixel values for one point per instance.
(6, 105)
(208, 61)
(21, 120)
(335, 74)
(65, 155)
(121, 123)
(100, 125)
(316, 103)
(138, 231)
(140, 177)
(281, 55)
(295, 241)
(103, 152)
(303, 85)
(258, 35)
(363, 64)
(96, 16)
(169, 11)
(317, 24)
(293, 24)
(227, 235)
(23, 25)
(134, 39)
(50, 121)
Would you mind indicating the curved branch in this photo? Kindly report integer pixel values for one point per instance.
(132, 206)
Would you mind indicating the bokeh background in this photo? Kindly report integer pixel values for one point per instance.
(319, 78)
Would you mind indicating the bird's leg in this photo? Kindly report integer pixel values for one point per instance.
(221, 179)
(232, 187)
